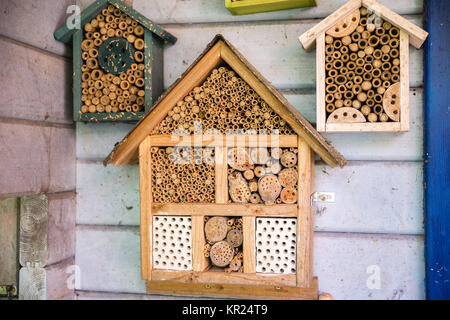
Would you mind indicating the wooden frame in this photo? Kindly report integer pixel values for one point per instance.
(242, 7)
(201, 281)
(154, 37)
(409, 33)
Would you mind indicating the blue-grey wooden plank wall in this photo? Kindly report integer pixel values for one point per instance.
(37, 135)
(437, 150)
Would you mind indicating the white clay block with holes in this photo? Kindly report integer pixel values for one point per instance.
(276, 245)
(172, 243)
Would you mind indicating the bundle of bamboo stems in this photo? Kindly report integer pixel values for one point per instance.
(180, 175)
(223, 102)
(102, 91)
(361, 66)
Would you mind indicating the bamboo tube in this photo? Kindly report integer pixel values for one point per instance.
(92, 109)
(377, 54)
(365, 34)
(376, 83)
(386, 84)
(362, 43)
(348, 95)
(394, 32)
(339, 103)
(367, 76)
(138, 56)
(384, 40)
(365, 110)
(356, 89)
(370, 102)
(357, 80)
(139, 31)
(139, 44)
(383, 117)
(378, 109)
(328, 39)
(361, 53)
(330, 107)
(346, 40)
(394, 53)
(372, 117)
(356, 104)
(370, 27)
(362, 97)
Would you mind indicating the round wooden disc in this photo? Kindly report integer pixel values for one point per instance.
(391, 102)
(288, 159)
(238, 188)
(259, 155)
(234, 237)
(221, 254)
(346, 115)
(239, 159)
(269, 188)
(288, 177)
(216, 229)
(288, 195)
(346, 26)
(235, 264)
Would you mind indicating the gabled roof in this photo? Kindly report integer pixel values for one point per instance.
(417, 35)
(217, 51)
(64, 34)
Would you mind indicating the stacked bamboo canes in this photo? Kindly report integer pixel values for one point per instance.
(104, 92)
(269, 175)
(224, 240)
(223, 102)
(180, 175)
(361, 66)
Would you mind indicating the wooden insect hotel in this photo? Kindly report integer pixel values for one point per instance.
(241, 7)
(362, 52)
(117, 62)
(226, 174)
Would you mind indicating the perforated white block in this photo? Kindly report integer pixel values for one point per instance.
(172, 243)
(276, 249)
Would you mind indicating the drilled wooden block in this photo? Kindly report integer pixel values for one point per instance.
(276, 245)
(172, 243)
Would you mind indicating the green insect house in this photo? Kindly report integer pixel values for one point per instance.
(117, 62)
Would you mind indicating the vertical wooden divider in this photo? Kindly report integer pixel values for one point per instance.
(145, 181)
(199, 261)
(320, 83)
(248, 230)
(404, 81)
(305, 216)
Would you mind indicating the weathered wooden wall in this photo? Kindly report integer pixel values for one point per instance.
(377, 220)
(37, 134)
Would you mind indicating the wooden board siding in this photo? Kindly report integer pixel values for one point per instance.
(350, 235)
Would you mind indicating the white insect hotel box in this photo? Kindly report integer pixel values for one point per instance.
(363, 68)
(226, 177)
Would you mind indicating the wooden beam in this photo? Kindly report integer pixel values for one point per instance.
(260, 88)
(232, 209)
(305, 217)
(199, 261)
(417, 36)
(363, 127)
(234, 290)
(284, 141)
(223, 277)
(308, 38)
(193, 78)
(249, 245)
(221, 171)
(404, 81)
(145, 187)
(321, 118)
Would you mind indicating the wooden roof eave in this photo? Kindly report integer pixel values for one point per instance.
(126, 151)
(64, 34)
(417, 35)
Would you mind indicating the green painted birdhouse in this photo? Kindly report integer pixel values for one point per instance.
(117, 62)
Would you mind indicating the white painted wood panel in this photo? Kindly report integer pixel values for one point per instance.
(271, 47)
(108, 196)
(189, 11)
(372, 197)
(109, 261)
(345, 263)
